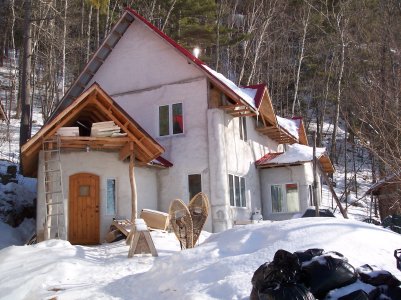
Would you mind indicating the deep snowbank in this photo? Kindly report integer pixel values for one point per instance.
(219, 268)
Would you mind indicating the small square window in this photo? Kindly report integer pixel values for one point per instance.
(84, 190)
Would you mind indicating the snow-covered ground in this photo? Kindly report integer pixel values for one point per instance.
(221, 267)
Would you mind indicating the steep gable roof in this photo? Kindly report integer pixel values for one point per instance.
(118, 30)
(255, 98)
(94, 105)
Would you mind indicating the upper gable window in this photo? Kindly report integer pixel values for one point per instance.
(242, 129)
(171, 120)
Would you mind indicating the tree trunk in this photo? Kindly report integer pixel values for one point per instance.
(97, 27)
(25, 129)
(333, 150)
(88, 35)
(301, 57)
(13, 64)
(64, 45)
(168, 15)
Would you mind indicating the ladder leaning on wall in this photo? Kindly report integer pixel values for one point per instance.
(54, 196)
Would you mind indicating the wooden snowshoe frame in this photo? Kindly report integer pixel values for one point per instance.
(199, 209)
(181, 222)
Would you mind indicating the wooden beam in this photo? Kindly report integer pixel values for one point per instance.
(125, 152)
(239, 111)
(243, 115)
(328, 182)
(228, 107)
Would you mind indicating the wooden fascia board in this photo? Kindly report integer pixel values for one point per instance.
(50, 128)
(106, 104)
(270, 166)
(326, 164)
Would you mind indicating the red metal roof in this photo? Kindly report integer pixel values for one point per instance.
(268, 157)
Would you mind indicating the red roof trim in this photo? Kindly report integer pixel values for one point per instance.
(260, 91)
(164, 162)
(185, 52)
(167, 38)
(266, 158)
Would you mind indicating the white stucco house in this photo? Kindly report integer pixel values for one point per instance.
(191, 130)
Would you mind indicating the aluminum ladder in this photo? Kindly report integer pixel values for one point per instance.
(54, 195)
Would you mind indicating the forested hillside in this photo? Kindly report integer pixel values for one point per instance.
(330, 61)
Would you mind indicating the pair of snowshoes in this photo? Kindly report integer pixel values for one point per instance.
(188, 221)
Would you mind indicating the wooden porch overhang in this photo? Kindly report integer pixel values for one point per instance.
(266, 117)
(324, 161)
(94, 105)
(277, 133)
(238, 110)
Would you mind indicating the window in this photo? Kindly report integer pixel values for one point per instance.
(242, 129)
(236, 186)
(171, 119)
(111, 196)
(194, 184)
(285, 197)
(84, 190)
(310, 189)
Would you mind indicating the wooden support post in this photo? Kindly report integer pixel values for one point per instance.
(141, 242)
(328, 182)
(315, 197)
(134, 197)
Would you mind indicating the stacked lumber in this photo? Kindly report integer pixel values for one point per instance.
(68, 131)
(106, 129)
(155, 219)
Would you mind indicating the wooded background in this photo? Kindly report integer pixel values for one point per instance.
(332, 61)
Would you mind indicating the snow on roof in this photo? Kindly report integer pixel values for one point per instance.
(247, 94)
(290, 125)
(295, 153)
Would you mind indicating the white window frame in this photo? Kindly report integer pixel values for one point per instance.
(284, 197)
(107, 213)
(241, 192)
(170, 120)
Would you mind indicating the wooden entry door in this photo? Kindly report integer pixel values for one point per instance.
(83, 209)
